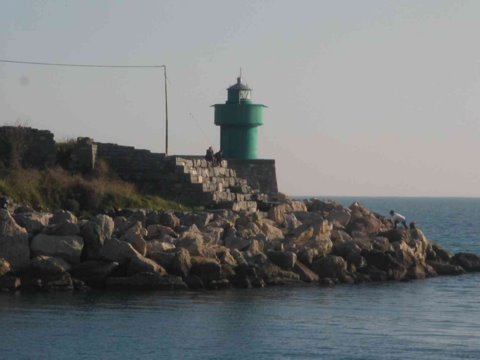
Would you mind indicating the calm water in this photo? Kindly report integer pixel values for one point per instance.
(430, 319)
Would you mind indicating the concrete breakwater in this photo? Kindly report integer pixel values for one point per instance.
(312, 241)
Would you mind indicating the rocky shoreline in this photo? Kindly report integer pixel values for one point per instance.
(312, 241)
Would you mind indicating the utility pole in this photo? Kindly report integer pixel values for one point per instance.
(166, 109)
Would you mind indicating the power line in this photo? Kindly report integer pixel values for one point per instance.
(106, 66)
(78, 65)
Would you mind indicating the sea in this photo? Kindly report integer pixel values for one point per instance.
(436, 318)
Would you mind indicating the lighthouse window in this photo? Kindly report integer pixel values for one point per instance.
(244, 94)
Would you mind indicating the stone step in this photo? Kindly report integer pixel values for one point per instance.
(217, 186)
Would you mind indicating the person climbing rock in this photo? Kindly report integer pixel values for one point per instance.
(209, 155)
(398, 218)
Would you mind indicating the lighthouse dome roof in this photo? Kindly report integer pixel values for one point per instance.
(239, 85)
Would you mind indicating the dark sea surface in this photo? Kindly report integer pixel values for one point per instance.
(427, 319)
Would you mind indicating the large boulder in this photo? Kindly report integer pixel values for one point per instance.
(94, 272)
(192, 241)
(368, 224)
(274, 275)
(118, 251)
(233, 241)
(199, 219)
(271, 232)
(181, 263)
(10, 283)
(445, 268)
(68, 248)
(277, 213)
(213, 235)
(62, 223)
(207, 269)
(247, 276)
(63, 216)
(142, 264)
(305, 273)
(95, 232)
(302, 235)
(350, 251)
(156, 246)
(33, 221)
(146, 281)
(440, 253)
(470, 262)
(339, 217)
(290, 222)
(363, 221)
(331, 266)
(225, 256)
(135, 237)
(48, 266)
(286, 260)
(157, 231)
(168, 218)
(4, 267)
(14, 245)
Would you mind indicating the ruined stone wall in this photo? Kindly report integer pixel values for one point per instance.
(150, 172)
(27, 147)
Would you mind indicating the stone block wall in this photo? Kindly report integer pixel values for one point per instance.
(185, 178)
(30, 148)
(260, 174)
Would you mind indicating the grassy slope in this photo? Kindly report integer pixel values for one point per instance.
(54, 188)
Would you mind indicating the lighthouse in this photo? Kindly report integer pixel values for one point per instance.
(239, 119)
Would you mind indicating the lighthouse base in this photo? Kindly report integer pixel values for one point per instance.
(260, 174)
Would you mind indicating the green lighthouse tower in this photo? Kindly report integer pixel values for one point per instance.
(238, 119)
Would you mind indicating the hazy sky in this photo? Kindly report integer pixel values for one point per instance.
(364, 97)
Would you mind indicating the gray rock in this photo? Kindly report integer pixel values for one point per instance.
(333, 267)
(142, 264)
(10, 283)
(94, 272)
(48, 265)
(68, 248)
(339, 217)
(446, 269)
(135, 237)
(4, 267)
(169, 219)
(63, 216)
(118, 251)
(207, 269)
(200, 219)
(305, 273)
(34, 222)
(274, 275)
(286, 260)
(271, 232)
(158, 246)
(470, 262)
(225, 256)
(213, 235)
(95, 232)
(158, 231)
(192, 241)
(14, 245)
(181, 264)
(65, 228)
(233, 241)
